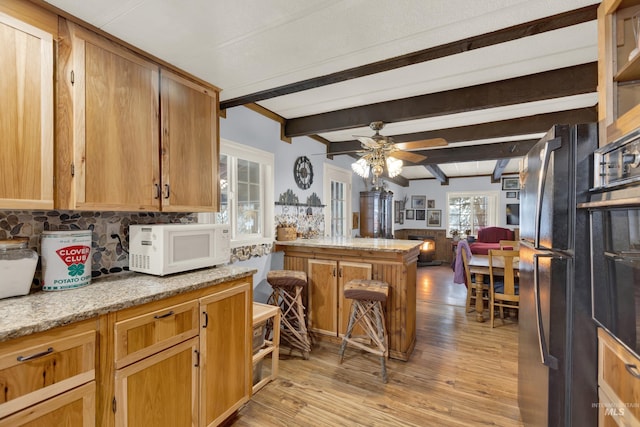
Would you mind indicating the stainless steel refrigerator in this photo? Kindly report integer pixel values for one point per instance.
(557, 352)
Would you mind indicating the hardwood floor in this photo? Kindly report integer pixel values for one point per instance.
(461, 373)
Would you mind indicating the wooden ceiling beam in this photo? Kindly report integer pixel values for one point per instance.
(538, 26)
(575, 80)
(501, 164)
(513, 127)
(476, 153)
(438, 174)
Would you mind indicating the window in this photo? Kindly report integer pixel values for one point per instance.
(246, 193)
(471, 211)
(337, 184)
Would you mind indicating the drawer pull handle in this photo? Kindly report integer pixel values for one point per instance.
(632, 369)
(35, 356)
(162, 316)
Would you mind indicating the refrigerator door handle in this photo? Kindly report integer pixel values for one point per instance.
(547, 359)
(549, 146)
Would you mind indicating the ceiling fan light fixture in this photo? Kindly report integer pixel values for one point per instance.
(394, 167)
(361, 167)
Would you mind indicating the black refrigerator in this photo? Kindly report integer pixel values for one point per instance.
(557, 352)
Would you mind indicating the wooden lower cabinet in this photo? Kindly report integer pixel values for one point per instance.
(183, 361)
(75, 408)
(329, 308)
(40, 367)
(618, 383)
(226, 358)
(160, 390)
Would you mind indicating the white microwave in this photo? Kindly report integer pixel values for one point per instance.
(162, 249)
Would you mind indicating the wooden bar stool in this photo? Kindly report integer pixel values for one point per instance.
(287, 294)
(368, 297)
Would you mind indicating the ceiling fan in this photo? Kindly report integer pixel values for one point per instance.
(399, 150)
(378, 150)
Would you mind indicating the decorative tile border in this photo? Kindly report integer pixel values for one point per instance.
(243, 253)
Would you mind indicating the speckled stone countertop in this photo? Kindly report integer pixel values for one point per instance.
(383, 245)
(43, 310)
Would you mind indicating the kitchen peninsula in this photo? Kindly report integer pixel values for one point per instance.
(332, 262)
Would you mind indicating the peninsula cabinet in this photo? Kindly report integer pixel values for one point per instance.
(49, 378)
(181, 361)
(26, 115)
(329, 310)
(618, 68)
(131, 136)
(329, 264)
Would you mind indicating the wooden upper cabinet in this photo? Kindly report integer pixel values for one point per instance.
(189, 145)
(113, 159)
(26, 116)
(618, 69)
(129, 138)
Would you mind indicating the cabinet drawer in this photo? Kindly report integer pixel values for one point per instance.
(75, 408)
(615, 364)
(37, 372)
(146, 334)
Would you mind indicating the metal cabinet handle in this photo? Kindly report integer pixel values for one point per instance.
(167, 191)
(35, 356)
(197, 355)
(549, 146)
(546, 358)
(158, 191)
(162, 316)
(633, 370)
(206, 319)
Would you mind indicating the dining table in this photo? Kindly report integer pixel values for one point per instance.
(479, 265)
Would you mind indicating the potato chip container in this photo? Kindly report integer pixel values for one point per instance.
(66, 259)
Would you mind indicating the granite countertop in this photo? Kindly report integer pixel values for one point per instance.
(44, 310)
(382, 245)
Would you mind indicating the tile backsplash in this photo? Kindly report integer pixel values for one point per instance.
(108, 254)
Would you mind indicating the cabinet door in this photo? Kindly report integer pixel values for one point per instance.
(348, 271)
(323, 296)
(75, 408)
(190, 145)
(26, 116)
(116, 126)
(225, 342)
(160, 390)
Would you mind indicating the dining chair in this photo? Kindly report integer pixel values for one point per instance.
(503, 288)
(509, 245)
(471, 286)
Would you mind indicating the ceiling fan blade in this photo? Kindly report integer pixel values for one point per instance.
(408, 156)
(425, 143)
(367, 141)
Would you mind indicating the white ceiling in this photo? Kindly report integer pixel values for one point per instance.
(247, 46)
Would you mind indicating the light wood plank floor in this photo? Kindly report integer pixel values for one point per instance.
(461, 373)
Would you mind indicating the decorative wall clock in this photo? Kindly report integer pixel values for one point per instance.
(303, 172)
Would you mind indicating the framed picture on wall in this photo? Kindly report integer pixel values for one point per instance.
(434, 217)
(418, 202)
(511, 194)
(513, 214)
(420, 214)
(401, 218)
(511, 183)
(409, 214)
(431, 204)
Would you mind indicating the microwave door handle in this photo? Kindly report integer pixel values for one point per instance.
(549, 146)
(546, 358)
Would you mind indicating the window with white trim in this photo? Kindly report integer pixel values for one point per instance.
(468, 212)
(246, 193)
(337, 190)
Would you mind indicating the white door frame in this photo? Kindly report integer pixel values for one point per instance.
(334, 173)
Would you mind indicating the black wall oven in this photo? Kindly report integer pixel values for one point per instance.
(615, 240)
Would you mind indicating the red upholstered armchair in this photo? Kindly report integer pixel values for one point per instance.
(489, 238)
